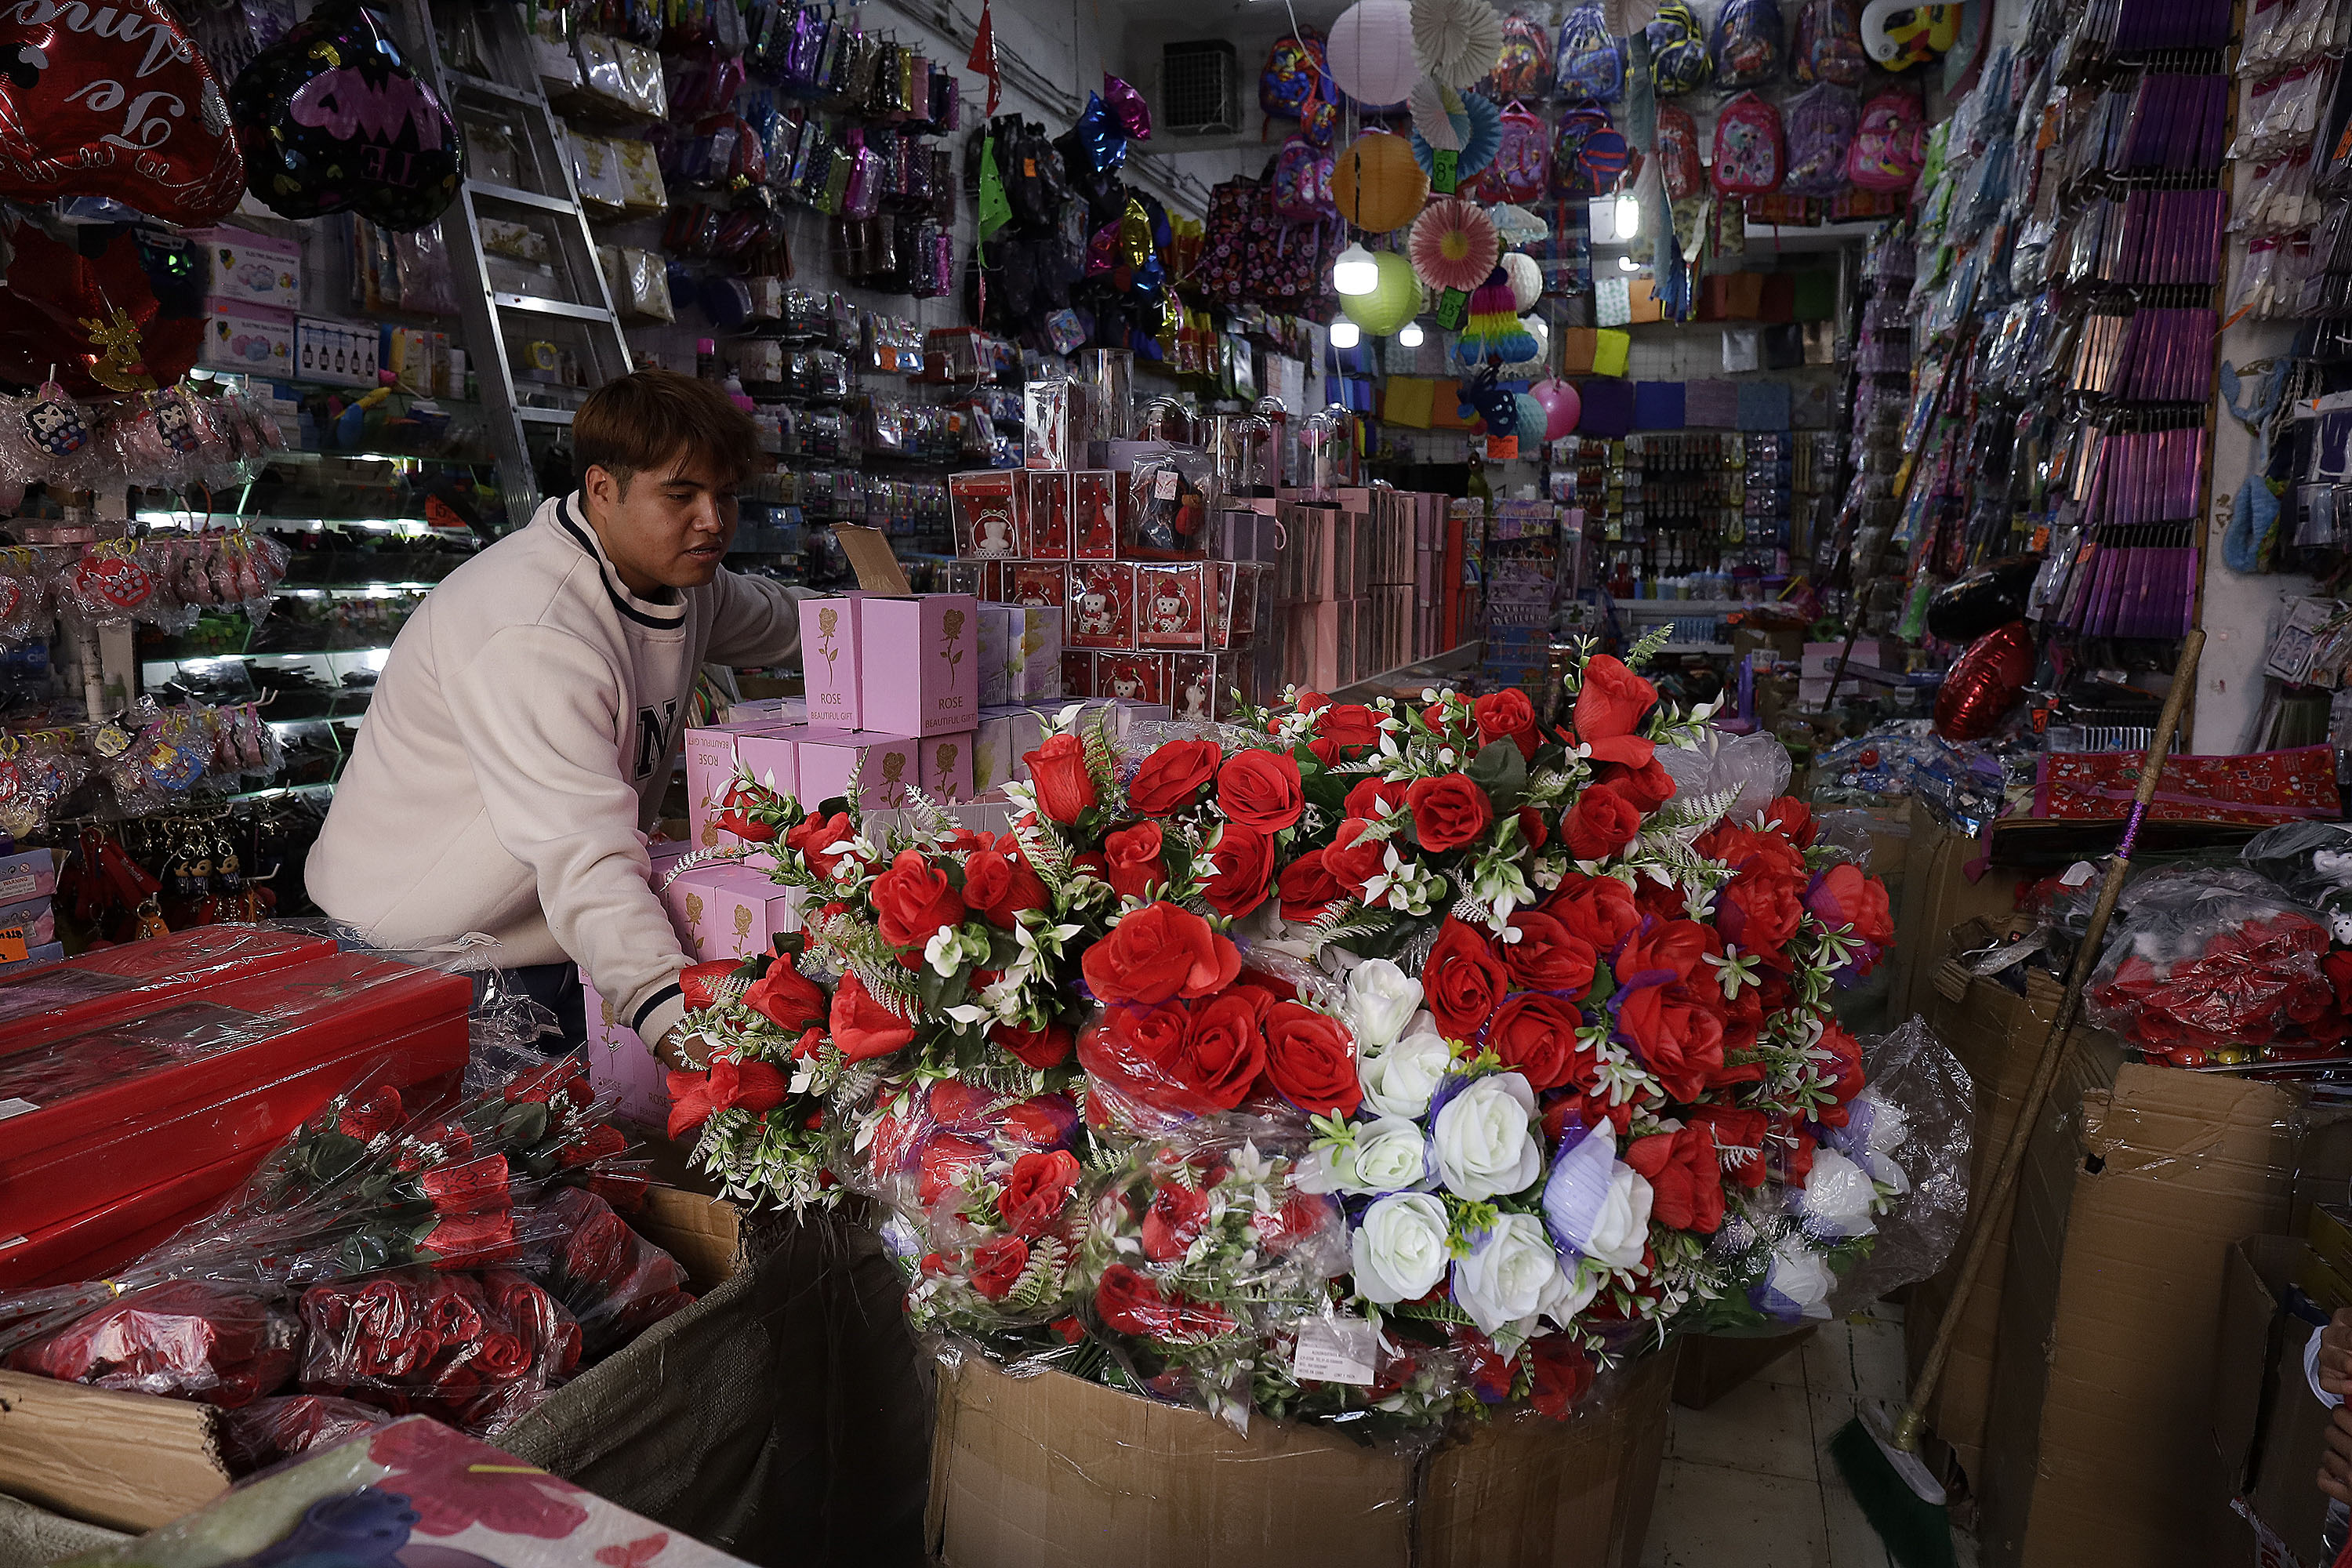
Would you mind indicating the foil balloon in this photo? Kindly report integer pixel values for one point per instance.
(1134, 115)
(1102, 251)
(332, 120)
(1135, 234)
(114, 101)
(1102, 141)
(1984, 683)
(1562, 405)
(1991, 596)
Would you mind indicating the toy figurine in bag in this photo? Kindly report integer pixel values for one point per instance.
(24, 595)
(54, 423)
(1168, 503)
(108, 586)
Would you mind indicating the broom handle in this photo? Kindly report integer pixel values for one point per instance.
(1993, 1219)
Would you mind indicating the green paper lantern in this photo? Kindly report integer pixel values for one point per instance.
(1394, 299)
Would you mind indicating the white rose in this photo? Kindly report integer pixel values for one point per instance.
(1387, 1156)
(1839, 1196)
(1798, 1274)
(1400, 1248)
(1382, 999)
(1513, 1275)
(1485, 1145)
(1399, 1080)
(1623, 1227)
(1884, 1127)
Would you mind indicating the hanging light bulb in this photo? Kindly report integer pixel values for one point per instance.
(1629, 216)
(1355, 272)
(1345, 334)
(1409, 335)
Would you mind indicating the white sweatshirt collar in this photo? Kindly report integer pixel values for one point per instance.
(569, 515)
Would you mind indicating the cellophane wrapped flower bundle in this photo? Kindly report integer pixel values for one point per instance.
(1366, 1064)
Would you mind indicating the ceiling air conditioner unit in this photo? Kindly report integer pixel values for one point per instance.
(1199, 89)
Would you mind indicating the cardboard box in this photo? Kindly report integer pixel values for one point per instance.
(884, 766)
(2269, 1427)
(829, 660)
(745, 911)
(244, 268)
(252, 339)
(688, 901)
(943, 766)
(918, 663)
(31, 874)
(1712, 1366)
(712, 756)
(1048, 1471)
(339, 354)
(1937, 895)
(1003, 739)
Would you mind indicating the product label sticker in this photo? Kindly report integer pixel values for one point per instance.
(14, 948)
(1164, 487)
(1338, 1350)
(9, 1108)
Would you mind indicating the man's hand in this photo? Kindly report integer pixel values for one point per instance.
(2335, 1461)
(2336, 1354)
(691, 1053)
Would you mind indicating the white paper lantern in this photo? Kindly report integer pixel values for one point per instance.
(1457, 42)
(1527, 280)
(1371, 51)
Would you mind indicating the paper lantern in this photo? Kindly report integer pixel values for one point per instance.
(1457, 42)
(1562, 407)
(1493, 330)
(1527, 280)
(1454, 245)
(1394, 299)
(1375, 185)
(1534, 417)
(1369, 52)
(1476, 136)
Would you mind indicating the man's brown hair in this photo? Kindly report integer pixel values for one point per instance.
(655, 418)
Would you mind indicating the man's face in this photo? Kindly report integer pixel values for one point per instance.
(671, 528)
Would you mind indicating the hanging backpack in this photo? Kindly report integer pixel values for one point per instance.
(1749, 155)
(1591, 64)
(1292, 78)
(1677, 51)
(1819, 124)
(1588, 155)
(1302, 182)
(1828, 45)
(1524, 67)
(1225, 241)
(1678, 161)
(1522, 167)
(1887, 154)
(1747, 49)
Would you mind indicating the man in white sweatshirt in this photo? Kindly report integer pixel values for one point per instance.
(522, 731)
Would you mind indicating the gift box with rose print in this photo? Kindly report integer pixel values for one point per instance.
(830, 660)
(918, 663)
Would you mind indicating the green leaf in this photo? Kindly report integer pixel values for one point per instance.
(1502, 772)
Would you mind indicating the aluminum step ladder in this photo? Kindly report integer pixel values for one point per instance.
(537, 314)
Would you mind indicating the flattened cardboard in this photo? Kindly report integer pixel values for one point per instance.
(127, 1461)
(2270, 1429)
(868, 550)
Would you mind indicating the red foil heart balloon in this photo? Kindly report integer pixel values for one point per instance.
(1985, 683)
(114, 101)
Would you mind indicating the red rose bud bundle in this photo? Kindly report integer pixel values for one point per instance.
(613, 1282)
(257, 1435)
(477, 1351)
(190, 1339)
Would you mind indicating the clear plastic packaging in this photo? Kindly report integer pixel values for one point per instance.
(192, 1338)
(615, 1282)
(256, 1436)
(2213, 963)
(477, 1351)
(1911, 1133)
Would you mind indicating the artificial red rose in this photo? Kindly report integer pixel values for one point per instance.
(1600, 910)
(1648, 786)
(1846, 895)
(1531, 828)
(1261, 790)
(1311, 701)
(1129, 1302)
(1058, 769)
(1508, 715)
(1449, 719)
(1846, 1051)
(1308, 887)
(1489, 1368)
(1677, 1031)
(1040, 1121)
(1131, 857)
(1448, 812)
(1372, 799)
(699, 984)
(1611, 703)
(913, 900)
(1789, 1157)
(1350, 859)
(735, 813)
(2337, 967)
(1535, 1035)
(945, 1160)
(1602, 823)
(996, 1265)
(862, 1027)
(696, 1097)
(815, 835)
(1685, 1183)
(1042, 1047)
(1173, 1221)
(1344, 731)
(1036, 1189)
(1545, 956)
(1245, 862)
(1310, 1060)
(1173, 777)
(1157, 953)
(1302, 1214)
(1760, 914)
(1463, 982)
(1583, 1108)
(1562, 1375)
(1792, 818)
(1737, 1132)
(1221, 1055)
(999, 886)
(786, 997)
(1132, 1050)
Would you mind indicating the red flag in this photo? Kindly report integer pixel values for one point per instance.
(984, 57)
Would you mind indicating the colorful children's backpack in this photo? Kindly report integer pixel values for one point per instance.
(1749, 155)
(1302, 182)
(1888, 144)
(1522, 168)
(1524, 68)
(1828, 45)
(1292, 75)
(1588, 155)
(1747, 39)
(1677, 150)
(1591, 63)
(1820, 124)
(1677, 51)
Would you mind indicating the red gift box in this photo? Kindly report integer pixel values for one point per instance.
(94, 1245)
(104, 1113)
(58, 999)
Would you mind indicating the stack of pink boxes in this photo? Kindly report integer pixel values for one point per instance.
(1358, 583)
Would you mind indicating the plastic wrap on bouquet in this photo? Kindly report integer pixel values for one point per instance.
(1751, 770)
(256, 1436)
(615, 1282)
(1910, 1134)
(478, 1352)
(192, 1338)
(2207, 962)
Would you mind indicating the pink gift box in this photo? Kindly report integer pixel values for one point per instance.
(829, 659)
(711, 755)
(687, 901)
(944, 765)
(622, 1066)
(826, 759)
(920, 663)
(744, 912)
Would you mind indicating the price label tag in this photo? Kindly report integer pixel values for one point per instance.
(9, 1108)
(1339, 1350)
(14, 948)
(1502, 448)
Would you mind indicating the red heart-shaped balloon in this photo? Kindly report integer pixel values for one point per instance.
(114, 579)
(114, 101)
